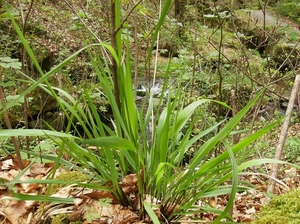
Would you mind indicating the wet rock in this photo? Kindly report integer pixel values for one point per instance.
(252, 32)
(167, 49)
(141, 90)
(285, 55)
(277, 108)
(156, 90)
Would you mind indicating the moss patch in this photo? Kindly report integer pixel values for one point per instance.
(284, 208)
(71, 176)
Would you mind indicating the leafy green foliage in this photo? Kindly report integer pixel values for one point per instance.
(151, 213)
(8, 62)
(91, 214)
(289, 8)
(292, 152)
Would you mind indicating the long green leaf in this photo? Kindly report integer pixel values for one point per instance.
(34, 132)
(234, 185)
(163, 15)
(223, 133)
(151, 213)
(238, 147)
(186, 113)
(27, 197)
(113, 142)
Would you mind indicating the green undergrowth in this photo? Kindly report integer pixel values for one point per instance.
(281, 209)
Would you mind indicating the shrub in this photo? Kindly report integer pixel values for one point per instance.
(289, 8)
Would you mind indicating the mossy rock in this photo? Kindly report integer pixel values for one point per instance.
(243, 21)
(283, 209)
(281, 51)
(253, 34)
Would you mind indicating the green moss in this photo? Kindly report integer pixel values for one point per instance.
(284, 208)
(71, 176)
(59, 219)
(63, 219)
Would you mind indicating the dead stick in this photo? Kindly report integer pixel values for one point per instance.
(8, 125)
(284, 131)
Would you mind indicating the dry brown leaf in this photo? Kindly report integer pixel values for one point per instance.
(38, 169)
(9, 175)
(67, 191)
(259, 195)
(250, 210)
(28, 188)
(11, 162)
(115, 213)
(7, 164)
(129, 184)
(31, 188)
(129, 189)
(76, 215)
(16, 209)
(129, 180)
(100, 194)
(246, 218)
(50, 164)
(78, 202)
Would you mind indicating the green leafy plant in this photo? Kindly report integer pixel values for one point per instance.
(91, 214)
(8, 62)
(292, 150)
(289, 8)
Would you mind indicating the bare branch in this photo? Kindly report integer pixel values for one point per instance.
(284, 131)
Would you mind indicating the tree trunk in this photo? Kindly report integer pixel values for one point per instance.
(179, 15)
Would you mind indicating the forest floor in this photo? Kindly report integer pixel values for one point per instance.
(247, 203)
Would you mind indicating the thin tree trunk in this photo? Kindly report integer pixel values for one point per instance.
(283, 133)
(180, 9)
